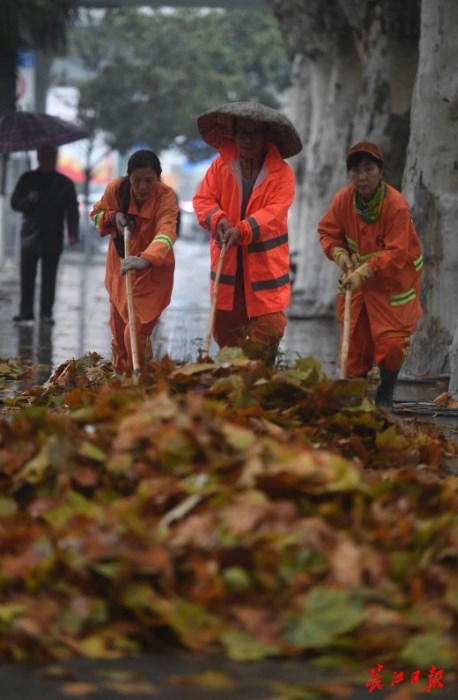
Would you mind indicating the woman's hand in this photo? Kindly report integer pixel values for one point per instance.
(120, 221)
(221, 227)
(133, 262)
(231, 237)
(342, 258)
(358, 277)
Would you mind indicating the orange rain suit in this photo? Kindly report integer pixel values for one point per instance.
(386, 309)
(256, 298)
(152, 238)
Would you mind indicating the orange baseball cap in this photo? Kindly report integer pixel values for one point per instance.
(365, 147)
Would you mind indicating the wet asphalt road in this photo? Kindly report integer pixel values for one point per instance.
(81, 315)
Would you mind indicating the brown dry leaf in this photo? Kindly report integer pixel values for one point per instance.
(133, 688)
(403, 693)
(216, 680)
(346, 561)
(238, 509)
(331, 690)
(78, 690)
(442, 398)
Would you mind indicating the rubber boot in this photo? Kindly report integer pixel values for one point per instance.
(385, 389)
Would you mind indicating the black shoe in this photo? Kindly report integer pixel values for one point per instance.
(385, 389)
(48, 320)
(24, 320)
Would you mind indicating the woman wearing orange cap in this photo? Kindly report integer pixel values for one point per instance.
(368, 232)
(150, 208)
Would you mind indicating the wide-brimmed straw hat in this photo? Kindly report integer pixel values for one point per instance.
(216, 126)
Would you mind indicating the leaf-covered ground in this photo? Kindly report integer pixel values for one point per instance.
(224, 506)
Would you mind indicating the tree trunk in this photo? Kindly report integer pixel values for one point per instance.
(430, 183)
(8, 49)
(324, 89)
(453, 383)
(357, 60)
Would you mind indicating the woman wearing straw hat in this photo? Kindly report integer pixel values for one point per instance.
(243, 201)
(368, 232)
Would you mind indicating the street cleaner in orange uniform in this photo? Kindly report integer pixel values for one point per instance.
(368, 232)
(243, 201)
(149, 207)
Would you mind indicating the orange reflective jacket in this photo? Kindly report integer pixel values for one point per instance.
(264, 230)
(390, 245)
(153, 238)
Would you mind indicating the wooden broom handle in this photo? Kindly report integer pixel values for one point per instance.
(130, 308)
(211, 320)
(345, 335)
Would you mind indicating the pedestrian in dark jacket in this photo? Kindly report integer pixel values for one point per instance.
(47, 200)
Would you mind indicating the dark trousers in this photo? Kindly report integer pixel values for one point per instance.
(49, 264)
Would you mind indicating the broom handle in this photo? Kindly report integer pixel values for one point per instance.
(345, 335)
(211, 320)
(130, 306)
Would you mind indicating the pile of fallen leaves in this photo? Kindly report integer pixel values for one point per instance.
(224, 506)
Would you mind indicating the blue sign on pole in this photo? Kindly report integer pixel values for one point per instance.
(25, 80)
(25, 59)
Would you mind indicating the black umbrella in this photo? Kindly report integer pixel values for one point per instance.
(216, 126)
(27, 131)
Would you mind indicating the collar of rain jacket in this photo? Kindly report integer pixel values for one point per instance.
(272, 161)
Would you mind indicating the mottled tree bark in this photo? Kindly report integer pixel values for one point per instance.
(431, 180)
(453, 383)
(355, 64)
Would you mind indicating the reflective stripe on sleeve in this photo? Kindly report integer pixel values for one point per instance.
(254, 227)
(269, 244)
(97, 217)
(352, 245)
(363, 258)
(162, 238)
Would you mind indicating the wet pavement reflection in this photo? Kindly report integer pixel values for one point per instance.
(82, 313)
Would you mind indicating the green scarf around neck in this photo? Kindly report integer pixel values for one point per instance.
(370, 211)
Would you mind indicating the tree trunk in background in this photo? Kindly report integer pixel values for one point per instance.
(453, 383)
(324, 90)
(431, 180)
(8, 48)
(356, 60)
(386, 38)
